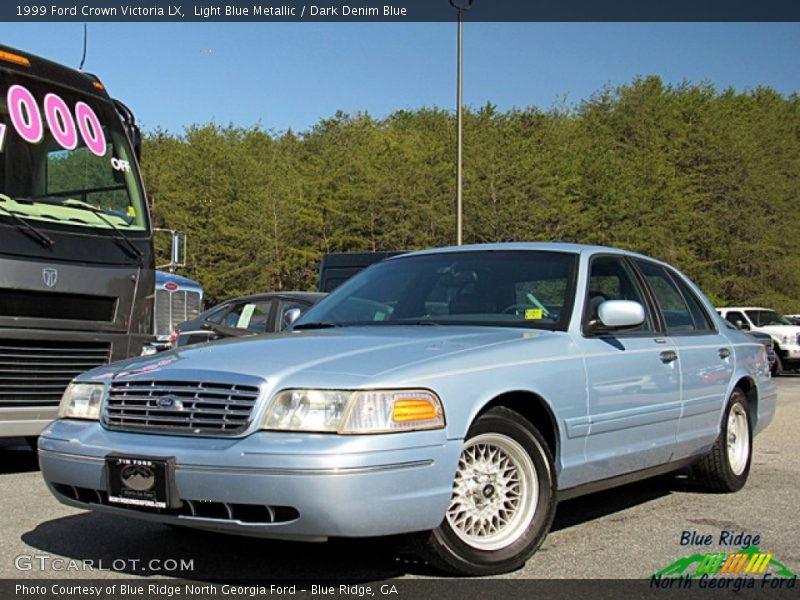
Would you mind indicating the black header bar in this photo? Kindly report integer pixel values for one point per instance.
(398, 10)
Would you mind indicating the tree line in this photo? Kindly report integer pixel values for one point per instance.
(707, 180)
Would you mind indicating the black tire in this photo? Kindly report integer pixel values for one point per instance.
(448, 547)
(777, 368)
(715, 471)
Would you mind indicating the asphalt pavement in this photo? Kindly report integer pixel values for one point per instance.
(629, 532)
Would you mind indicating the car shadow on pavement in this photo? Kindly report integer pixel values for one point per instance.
(16, 456)
(615, 500)
(145, 549)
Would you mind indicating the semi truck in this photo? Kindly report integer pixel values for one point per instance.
(76, 251)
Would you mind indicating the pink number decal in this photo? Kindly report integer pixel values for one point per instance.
(60, 121)
(91, 130)
(28, 123)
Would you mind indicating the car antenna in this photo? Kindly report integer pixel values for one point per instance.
(85, 38)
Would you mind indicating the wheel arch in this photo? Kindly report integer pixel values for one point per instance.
(750, 391)
(534, 408)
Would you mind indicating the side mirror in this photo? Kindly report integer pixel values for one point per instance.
(742, 325)
(615, 315)
(290, 316)
(131, 128)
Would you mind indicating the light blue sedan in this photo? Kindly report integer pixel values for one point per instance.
(454, 395)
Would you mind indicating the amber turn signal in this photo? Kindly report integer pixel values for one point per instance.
(414, 409)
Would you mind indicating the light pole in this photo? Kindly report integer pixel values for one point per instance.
(460, 94)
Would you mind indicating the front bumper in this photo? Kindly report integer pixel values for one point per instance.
(313, 485)
(789, 353)
(24, 421)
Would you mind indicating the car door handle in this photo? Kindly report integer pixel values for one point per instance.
(668, 356)
(724, 353)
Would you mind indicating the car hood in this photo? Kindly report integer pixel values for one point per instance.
(359, 353)
(780, 330)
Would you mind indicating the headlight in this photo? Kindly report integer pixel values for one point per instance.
(347, 411)
(81, 401)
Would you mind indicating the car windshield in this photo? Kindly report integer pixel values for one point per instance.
(763, 318)
(497, 288)
(62, 152)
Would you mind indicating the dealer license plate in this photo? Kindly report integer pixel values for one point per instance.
(139, 481)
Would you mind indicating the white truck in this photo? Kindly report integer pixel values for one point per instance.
(785, 335)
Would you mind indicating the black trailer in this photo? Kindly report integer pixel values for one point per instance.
(337, 267)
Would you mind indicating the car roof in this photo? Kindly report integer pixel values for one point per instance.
(303, 296)
(529, 246)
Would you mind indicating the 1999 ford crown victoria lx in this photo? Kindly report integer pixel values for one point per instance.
(453, 394)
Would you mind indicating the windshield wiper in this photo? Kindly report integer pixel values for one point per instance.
(120, 235)
(316, 325)
(41, 237)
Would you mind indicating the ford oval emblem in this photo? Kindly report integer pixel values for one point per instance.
(170, 402)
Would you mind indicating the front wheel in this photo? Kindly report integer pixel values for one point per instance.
(503, 499)
(726, 467)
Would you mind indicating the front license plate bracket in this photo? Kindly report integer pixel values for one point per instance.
(141, 481)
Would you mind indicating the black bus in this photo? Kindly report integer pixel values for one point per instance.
(76, 250)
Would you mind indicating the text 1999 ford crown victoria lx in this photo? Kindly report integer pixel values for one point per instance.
(452, 394)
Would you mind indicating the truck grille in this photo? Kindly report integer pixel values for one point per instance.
(173, 308)
(47, 305)
(36, 373)
(192, 408)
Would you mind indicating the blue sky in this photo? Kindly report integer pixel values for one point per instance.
(293, 74)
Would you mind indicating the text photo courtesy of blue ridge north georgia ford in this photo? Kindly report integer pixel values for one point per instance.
(492, 342)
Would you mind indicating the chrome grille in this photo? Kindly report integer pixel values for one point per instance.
(163, 312)
(173, 308)
(182, 407)
(193, 305)
(36, 373)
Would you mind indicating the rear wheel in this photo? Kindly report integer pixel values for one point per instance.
(503, 499)
(726, 467)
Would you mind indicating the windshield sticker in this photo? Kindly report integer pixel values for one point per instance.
(24, 113)
(533, 314)
(60, 122)
(120, 165)
(27, 121)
